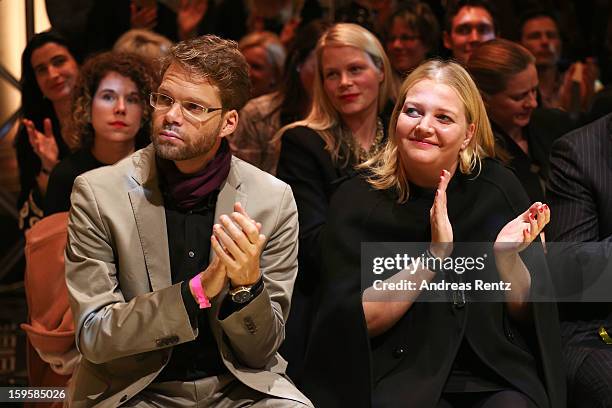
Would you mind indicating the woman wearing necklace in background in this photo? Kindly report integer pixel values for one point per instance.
(352, 88)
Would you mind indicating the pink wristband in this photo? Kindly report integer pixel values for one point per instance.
(196, 285)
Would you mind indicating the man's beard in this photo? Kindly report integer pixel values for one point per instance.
(200, 146)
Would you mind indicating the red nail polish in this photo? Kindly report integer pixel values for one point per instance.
(442, 173)
(545, 206)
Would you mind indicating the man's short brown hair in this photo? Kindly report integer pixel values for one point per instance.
(217, 60)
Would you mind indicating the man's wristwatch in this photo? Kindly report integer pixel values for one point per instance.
(243, 294)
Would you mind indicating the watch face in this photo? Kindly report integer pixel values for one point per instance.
(242, 296)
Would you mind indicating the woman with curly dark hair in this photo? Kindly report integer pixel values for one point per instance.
(111, 118)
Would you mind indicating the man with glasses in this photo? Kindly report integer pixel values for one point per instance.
(467, 24)
(181, 259)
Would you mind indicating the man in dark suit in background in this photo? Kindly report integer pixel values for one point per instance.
(580, 199)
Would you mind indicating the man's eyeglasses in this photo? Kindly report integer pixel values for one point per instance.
(192, 110)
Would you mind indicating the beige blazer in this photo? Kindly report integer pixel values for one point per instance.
(128, 315)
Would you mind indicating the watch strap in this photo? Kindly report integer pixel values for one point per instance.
(255, 289)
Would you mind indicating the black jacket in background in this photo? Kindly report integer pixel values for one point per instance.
(62, 178)
(545, 126)
(307, 167)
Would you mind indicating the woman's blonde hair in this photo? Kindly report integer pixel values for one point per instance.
(273, 47)
(385, 167)
(323, 117)
(145, 43)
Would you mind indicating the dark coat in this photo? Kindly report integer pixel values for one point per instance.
(410, 363)
(580, 197)
(580, 185)
(307, 167)
(62, 178)
(545, 126)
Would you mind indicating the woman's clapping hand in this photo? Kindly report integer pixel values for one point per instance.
(441, 228)
(516, 235)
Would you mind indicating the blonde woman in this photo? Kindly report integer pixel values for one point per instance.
(345, 127)
(435, 183)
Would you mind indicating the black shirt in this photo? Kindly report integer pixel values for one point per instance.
(189, 234)
(189, 245)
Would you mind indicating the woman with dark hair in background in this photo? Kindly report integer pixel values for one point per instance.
(262, 117)
(411, 34)
(506, 76)
(49, 73)
(111, 118)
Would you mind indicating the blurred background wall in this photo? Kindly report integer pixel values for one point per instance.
(19, 20)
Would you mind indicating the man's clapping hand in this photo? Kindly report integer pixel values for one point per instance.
(213, 279)
(238, 244)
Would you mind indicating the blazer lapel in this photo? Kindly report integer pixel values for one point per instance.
(148, 207)
(230, 193)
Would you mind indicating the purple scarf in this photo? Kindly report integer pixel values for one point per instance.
(187, 190)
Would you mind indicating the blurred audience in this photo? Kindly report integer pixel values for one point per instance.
(178, 20)
(467, 24)
(265, 55)
(411, 34)
(572, 90)
(370, 14)
(145, 43)
(111, 118)
(263, 116)
(49, 73)
(237, 18)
